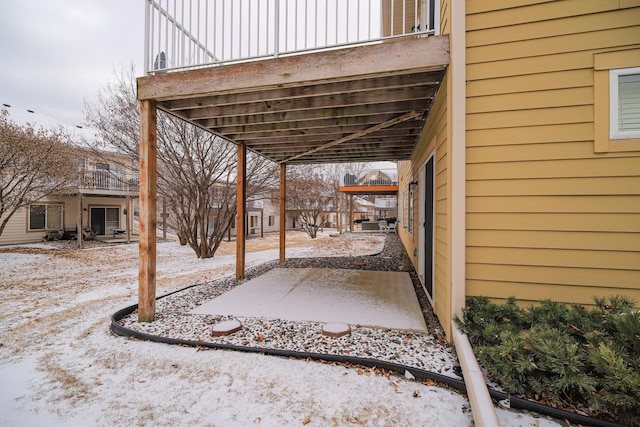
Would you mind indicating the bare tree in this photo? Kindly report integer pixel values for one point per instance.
(34, 163)
(343, 174)
(196, 169)
(310, 195)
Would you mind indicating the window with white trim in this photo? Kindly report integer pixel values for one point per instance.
(45, 217)
(624, 103)
(616, 100)
(272, 220)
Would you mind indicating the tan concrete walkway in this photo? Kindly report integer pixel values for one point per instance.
(382, 299)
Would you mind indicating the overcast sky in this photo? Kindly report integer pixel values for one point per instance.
(54, 54)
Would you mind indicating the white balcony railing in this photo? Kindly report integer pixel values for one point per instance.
(371, 177)
(107, 180)
(182, 34)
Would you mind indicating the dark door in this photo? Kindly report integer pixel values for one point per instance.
(97, 221)
(428, 228)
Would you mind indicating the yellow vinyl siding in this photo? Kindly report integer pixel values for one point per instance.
(555, 204)
(533, 100)
(531, 135)
(532, 83)
(545, 257)
(547, 216)
(621, 223)
(543, 151)
(530, 292)
(587, 240)
(587, 41)
(481, 15)
(581, 278)
(445, 27)
(435, 134)
(625, 166)
(534, 117)
(573, 186)
(555, 27)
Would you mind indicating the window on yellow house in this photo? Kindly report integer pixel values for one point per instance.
(624, 92)
(617, 100)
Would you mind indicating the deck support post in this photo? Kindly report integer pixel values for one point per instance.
(148, 183)
(241, 218)
(79, 224)
(127, 222)
(351, 212)
(283, 212)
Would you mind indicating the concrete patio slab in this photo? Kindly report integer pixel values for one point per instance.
(383, 299)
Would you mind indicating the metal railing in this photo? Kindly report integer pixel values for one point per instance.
(107, 180)
(371, 177)
(182, 34)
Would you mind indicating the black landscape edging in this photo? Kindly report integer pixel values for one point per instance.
(420, 374)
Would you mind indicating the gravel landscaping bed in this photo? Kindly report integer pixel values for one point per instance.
(424, 351)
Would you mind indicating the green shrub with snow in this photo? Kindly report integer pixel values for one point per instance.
(560, 354)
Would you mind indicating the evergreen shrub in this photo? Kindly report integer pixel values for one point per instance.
(562, 355)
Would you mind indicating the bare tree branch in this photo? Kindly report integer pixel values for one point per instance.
(196, 169)
(34, 163)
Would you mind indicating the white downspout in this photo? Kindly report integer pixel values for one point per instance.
(482, 409)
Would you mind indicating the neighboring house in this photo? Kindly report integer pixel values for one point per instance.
(100, 199)
(380, 184)
(516, 177)
(262, 217)
(386, 207)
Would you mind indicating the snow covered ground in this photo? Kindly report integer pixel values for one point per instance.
(60, 366)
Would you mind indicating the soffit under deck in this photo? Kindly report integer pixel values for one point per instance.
(360, 104)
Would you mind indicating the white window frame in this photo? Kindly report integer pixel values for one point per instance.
(614, 75)
(46, 216)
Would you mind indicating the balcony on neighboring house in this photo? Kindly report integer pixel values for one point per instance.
(373, 181)
(106, 182)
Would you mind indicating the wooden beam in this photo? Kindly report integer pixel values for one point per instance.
(274, 136)
(402, 118)
(147, 245)
(315, 102)
(303, 116)
(370, 119)
(283, 211)
(406, 56)
(361, 84)
(241, 197)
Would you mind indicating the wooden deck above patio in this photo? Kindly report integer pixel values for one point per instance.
(358, 104)
(365, 103)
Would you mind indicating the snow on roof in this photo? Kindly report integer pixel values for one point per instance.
(80, 135)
